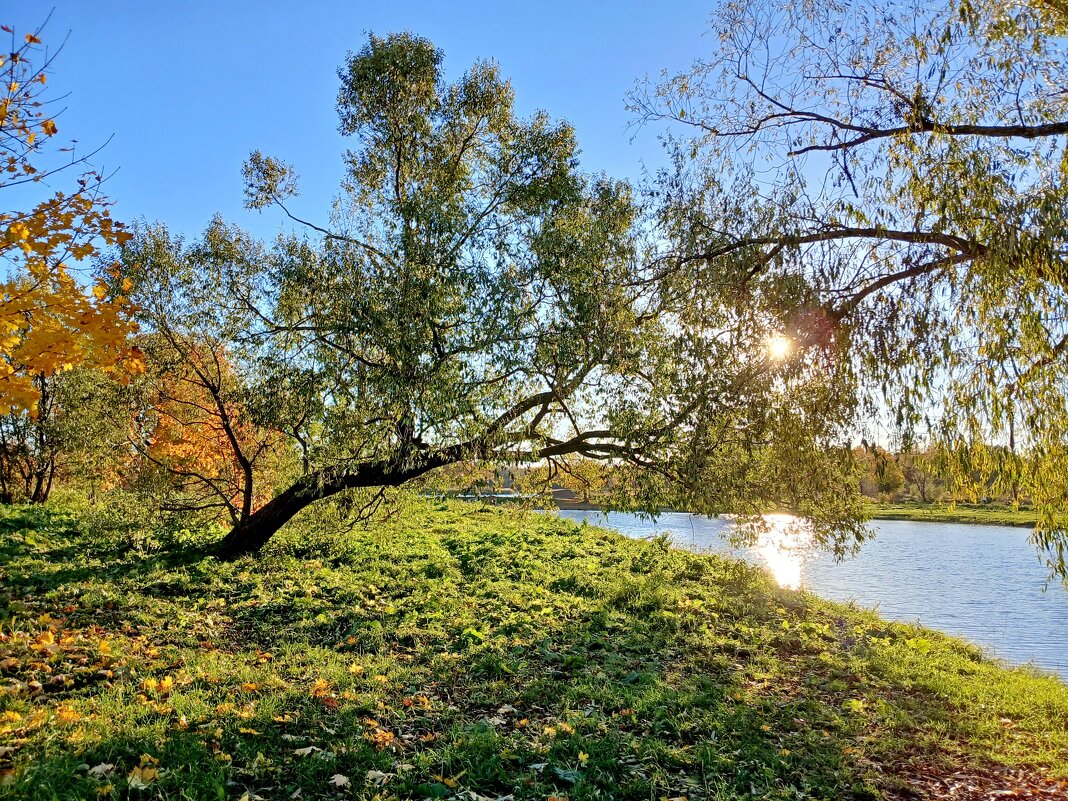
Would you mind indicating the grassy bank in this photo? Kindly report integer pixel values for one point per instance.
(465, 652)
(958, 513)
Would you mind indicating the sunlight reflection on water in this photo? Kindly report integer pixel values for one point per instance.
(983, 582)
(783, 546)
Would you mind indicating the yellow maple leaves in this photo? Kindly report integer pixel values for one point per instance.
(141, 777)
(48, 322)
(66, 715)
(158, 686)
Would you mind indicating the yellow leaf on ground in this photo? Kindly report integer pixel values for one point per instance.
(142, 777)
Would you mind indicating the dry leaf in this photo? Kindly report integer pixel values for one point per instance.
(142, 777)
(378, 777)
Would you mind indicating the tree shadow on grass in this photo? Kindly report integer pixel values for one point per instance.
(627, 672)
(587, 712)
(43, 550)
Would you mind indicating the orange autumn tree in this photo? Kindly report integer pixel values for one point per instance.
(52, 318)
(199, 434)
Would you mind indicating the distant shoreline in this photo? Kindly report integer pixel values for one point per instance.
(920, 513)
(961, 513)
(917, 512)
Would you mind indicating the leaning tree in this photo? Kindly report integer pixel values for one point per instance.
(473, 295)
(907, 162)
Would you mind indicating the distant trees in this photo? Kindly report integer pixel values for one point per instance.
(198, 431)
(921, 474)
(904, 476)
(79, 433)
(29, 447)
(197, 426)
(888, 474)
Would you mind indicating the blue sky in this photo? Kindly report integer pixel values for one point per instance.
(187, 89)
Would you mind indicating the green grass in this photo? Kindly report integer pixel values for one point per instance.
(992, 514)
(465, 652)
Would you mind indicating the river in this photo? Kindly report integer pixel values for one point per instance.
(983, 583)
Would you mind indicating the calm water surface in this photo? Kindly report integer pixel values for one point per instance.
(984, 583)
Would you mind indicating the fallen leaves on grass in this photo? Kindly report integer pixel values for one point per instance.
(142, 776)
(378, 777)
(158, 686)
(977, 784)
(381, 737)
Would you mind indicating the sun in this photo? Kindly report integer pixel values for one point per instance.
(778, 347)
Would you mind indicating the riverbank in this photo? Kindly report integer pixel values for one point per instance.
(990, 515)
(961, 513)
(459, 651)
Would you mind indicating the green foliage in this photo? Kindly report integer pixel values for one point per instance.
(78, 434)
(217, 430)
(458, 648)
(477, 298)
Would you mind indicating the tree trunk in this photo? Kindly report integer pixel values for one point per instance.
(42, 484)
(253, 532)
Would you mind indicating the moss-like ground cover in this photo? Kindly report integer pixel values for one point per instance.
(463, 652)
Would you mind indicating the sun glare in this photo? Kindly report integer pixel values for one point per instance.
(778, 347)
(783, 548)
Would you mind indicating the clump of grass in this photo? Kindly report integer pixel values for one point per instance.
(466, 652)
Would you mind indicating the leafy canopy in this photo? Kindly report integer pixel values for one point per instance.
(476, 296)
(907, 165)
(48, 321)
